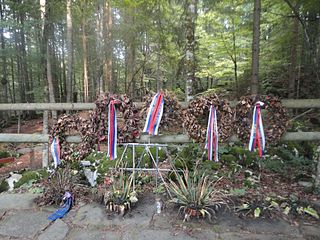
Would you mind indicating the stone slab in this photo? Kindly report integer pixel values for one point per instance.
(310, 232)
(93, 234)
(17, 201)
(91, 214)
(24, 224)
(251, 236)
(57, 231)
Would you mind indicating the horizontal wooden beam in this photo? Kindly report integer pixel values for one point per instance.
(180, 138)
(46, 106)
(7, 160)
(288, 103)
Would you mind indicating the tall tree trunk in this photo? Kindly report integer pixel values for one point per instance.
(234, 58)
(99, 47)
(159, 82)
(64, 69)
(13, 82)
(190, 60)
(21, 83)
(255, 48)
(107, 34)
(4, 78)
(85, 58)
(69, 52)
(293, 59)
(130, 47)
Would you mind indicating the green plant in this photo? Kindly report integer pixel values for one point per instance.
(4, 186)
(56, 185)
(27, 177)
(119, 196)
(195, 194)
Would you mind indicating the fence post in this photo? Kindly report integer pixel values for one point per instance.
(46, 145)
(317, 178)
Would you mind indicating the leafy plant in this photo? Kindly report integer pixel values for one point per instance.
(120, 195)
(27, 177)
(56, 185)
(196, 195)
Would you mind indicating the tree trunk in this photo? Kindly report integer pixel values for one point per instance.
(317, 178)
(99, 48)
(130, 53)
(107, 33)
(235, 59)
(69, 52)
(293, 60)
(85, 59)
(255, 48)
(190, 60)
(4, 78)
(159, 82)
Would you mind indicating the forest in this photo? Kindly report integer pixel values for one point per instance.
(70, 51)
(206, 71)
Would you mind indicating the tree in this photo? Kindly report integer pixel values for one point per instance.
(69, 52)
(107, 33)
(255, 47)
(190, 60)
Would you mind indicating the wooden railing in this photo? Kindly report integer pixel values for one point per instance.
(45, 107)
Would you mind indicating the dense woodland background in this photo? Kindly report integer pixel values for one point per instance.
(64, 50)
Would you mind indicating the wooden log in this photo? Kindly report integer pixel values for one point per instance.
(288, 103)
(46, 106)
(24, 138)
(44, 138)
(7, 160)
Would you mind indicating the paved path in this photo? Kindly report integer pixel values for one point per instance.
(21, 219)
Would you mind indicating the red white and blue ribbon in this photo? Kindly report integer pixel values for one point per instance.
(154, 114)
(212, 135)
(55, 151)
(257, 137)
(112, 131)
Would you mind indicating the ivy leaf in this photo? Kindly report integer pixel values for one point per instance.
(311, 212)
(257, 212)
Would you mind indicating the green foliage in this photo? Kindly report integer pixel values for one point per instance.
(297, 157)
(4, 186)
(238, 191)
(271, 206)
(27, 177)
(195, 194)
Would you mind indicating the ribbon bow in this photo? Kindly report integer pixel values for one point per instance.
(257, 136)
(154, 114)
(112, 131)
(55, 151)
(212, 135)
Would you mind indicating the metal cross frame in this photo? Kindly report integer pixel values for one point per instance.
(146, 150)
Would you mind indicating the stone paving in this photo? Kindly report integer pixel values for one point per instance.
(21, 219)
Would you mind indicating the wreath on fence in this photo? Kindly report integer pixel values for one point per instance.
(197, 114)
(171, 118)
(72, 125)
(128, 118)
(275, 118)
(94, 130)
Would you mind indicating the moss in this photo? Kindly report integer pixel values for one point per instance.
(4, 186)
(26, 177)
(4, 154)
(228, 159)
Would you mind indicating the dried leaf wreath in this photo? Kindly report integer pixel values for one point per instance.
(128, 118)
(94, 130)
(275, 118)
(171, 118)
(197, 114)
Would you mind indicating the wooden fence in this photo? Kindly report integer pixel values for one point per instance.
(45, 107)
